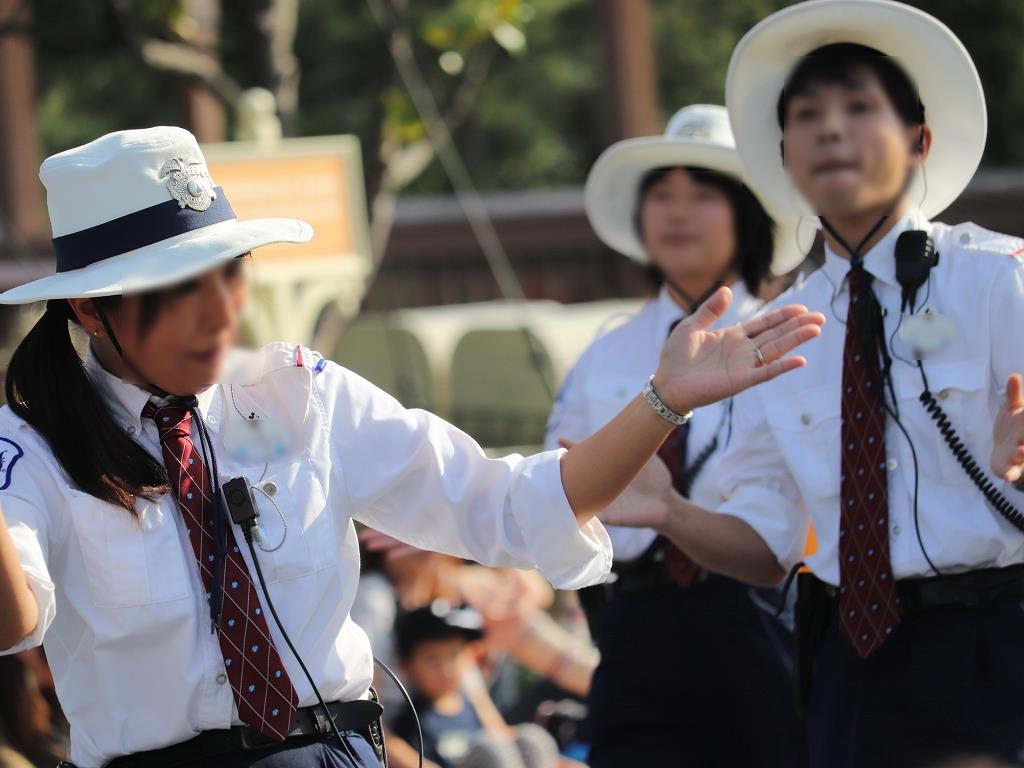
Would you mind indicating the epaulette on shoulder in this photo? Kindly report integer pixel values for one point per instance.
(974, 239)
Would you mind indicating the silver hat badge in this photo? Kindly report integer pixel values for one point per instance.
(698, 129)
(189, 183)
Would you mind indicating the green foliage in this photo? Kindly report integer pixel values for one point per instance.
(992, 30)
(89, 82)
(536, 121)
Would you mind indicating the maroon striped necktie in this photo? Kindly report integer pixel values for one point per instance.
(868, 604)
(263, 692)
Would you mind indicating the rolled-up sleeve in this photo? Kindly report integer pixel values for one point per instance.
(29, 528)
(757, 485)
(414, 476)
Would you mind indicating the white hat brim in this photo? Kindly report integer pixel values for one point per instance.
(926, 49)
(162, 264)
(610, 194)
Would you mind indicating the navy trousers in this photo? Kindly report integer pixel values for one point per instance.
(298, 753)
(699, 678)
(948, 681)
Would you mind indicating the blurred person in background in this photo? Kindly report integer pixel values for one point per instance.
(32, 725)
(116, 548)
(513, 605)
(461, 726)
(695, 669)
(902, 440)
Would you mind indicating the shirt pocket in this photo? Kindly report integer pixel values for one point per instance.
(297, 533)
(807, 430)
(128, 560)
(961, 390)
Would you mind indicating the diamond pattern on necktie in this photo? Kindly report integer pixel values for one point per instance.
(868, 603)
(263, 691)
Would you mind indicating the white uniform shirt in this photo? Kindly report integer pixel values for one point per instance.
(782, 468)
(614, 369)
(123, 613)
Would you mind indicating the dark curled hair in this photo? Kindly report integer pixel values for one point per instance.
(48, 387)
(839, 64)
(754, 228)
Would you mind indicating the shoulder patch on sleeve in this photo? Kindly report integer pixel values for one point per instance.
(10, 452)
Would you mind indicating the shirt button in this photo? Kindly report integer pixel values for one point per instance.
(211, 419)
(892, 464)
(131, 430)
(944, 394)
(896, 530)
(222, 678)
(270, 488)
(805, 419)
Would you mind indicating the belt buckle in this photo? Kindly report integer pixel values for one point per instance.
(250, 739)
(321, 722)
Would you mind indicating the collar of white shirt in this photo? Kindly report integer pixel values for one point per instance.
(668, 311)
(127, 400)
(879, 260)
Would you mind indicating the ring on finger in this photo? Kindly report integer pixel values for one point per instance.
(760, 357)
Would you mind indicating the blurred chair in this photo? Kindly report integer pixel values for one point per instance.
(491, 368)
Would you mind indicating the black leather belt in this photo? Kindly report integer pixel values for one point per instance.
(964, 589)
(307, 722)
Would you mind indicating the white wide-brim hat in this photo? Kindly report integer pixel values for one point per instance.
(924, 47)
(136, 211)
(697, 136)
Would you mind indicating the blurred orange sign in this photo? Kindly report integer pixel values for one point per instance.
(318, 180)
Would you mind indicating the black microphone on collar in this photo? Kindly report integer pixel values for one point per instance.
(915, 256)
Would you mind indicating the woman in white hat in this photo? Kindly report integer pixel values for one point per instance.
(694, 666)
(190, 626)
(870, 116)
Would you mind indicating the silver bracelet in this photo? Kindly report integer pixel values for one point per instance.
(650, 394)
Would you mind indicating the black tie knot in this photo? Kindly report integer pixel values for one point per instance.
(859, 278)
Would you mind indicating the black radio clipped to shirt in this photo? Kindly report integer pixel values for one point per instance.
(915, 257)
(241, 507)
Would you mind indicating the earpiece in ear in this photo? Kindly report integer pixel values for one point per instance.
(918, 147)
(782, 151)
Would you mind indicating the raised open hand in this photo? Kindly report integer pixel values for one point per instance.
(699, 366)
(1008, 434)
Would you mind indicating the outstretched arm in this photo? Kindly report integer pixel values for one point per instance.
(432, 486)
(697, 367)
(720, 543)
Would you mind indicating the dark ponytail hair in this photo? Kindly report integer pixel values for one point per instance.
(48, 387)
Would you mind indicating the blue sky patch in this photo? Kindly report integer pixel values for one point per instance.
(10, 452)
